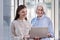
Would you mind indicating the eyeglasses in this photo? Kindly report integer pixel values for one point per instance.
(40, 9)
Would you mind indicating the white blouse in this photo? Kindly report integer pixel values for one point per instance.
(20, 28)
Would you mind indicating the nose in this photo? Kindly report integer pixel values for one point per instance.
(40, 11)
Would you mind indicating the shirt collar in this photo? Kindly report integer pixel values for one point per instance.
(40, 17)
(21, 20)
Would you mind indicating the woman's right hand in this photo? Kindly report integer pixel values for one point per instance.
(26, 36)
(36, 38)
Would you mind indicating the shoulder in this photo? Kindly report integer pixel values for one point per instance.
(27, 22)
(34, 19)
(14, 22)
(48, 19)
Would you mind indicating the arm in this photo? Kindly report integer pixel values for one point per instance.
(13, 30)
(50, 29)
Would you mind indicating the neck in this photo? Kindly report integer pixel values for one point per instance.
(21, 18)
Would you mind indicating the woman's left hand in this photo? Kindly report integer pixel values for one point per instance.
(49, 35)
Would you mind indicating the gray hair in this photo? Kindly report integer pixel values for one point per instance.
(43, 5)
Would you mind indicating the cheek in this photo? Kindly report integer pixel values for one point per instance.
(23, 14)
(20, 14)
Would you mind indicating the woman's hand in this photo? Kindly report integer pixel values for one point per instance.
(49, 35)
(36, 38)
(27, 36)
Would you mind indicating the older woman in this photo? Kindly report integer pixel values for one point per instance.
(42, 21)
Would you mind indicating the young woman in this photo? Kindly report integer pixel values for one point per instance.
(20, 27)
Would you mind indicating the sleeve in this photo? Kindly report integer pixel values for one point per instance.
(13, 30)
(13, 34)
(33, 21)
(50, 28)
(30, 26)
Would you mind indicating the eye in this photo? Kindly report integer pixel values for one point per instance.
(23, 11)
(41, 10)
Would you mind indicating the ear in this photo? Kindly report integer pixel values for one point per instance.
(43, 12)
(18, 13)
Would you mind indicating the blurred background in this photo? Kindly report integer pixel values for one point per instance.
(8, 11)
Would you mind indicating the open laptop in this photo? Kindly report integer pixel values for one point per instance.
(38, 31)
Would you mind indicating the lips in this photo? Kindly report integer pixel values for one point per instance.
(40, 13)
(23, 15)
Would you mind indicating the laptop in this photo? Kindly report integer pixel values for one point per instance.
(38, 32)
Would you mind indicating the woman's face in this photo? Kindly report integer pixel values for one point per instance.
(39, 11)
(23, 13)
